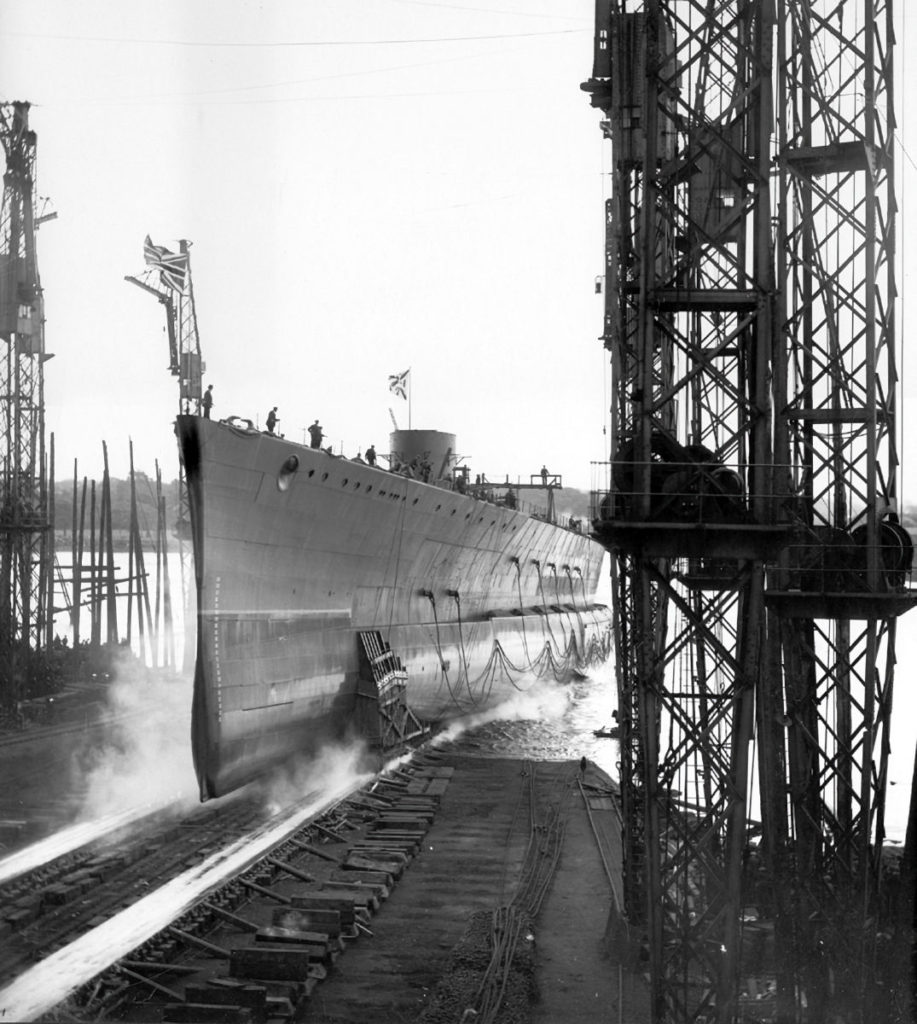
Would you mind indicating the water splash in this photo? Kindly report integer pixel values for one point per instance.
(548, 723)
(542, 701)
(333, 767)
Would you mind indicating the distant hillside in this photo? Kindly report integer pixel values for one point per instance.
(572, 502)
(120, 507)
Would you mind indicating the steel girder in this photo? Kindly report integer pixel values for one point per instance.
(24, 525)
(751, 499)
(186, 364)
(838, 588)
(689, 509)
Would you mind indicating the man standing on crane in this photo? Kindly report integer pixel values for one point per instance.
(272, 419)
(315, 435)
(207, 401)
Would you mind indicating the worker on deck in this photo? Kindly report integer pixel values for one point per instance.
(316, 435)
(544, 476)
(272, 418)
(207, 401)
(370, 455)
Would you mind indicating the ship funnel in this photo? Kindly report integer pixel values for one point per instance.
(433, 446)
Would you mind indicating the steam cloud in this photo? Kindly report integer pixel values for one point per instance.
(142, 765)
(144, 762)
(336, 768)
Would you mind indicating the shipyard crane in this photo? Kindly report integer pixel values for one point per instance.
(26, 538)
(751, 496)
(168, 277)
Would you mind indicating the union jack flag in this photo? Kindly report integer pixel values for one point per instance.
(398, 383)
(172, 266)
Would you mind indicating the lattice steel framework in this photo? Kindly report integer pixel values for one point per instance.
(24, 599)
(750, 500)
(838, 589)
(168, 278)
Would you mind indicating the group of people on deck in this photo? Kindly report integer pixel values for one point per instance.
(418, 468)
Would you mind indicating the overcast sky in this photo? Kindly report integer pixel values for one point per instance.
(369, 185)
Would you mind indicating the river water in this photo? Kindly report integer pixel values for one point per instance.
(63, 626)
(558, 724)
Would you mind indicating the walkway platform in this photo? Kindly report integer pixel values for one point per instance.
(505, 828)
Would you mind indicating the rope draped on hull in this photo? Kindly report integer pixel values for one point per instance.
(565, 649)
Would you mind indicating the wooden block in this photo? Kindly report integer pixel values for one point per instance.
(380, 848)
(281, 999)
(318, 943)
(386, 868)
(271, 962)
(252, 996)
(55, 895)
(397, 840)
(206, 1013)
(323, 901)
(382, 880)
(17, 919)
(425, 814)
(328, 921)
(407, 826)
(366, 896)
(394, 835)
(282, 1006)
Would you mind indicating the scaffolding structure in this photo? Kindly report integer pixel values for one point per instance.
(26, 538)
(751, 499)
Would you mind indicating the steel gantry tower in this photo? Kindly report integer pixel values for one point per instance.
(168, 277)
(751, 495)
(25, 542)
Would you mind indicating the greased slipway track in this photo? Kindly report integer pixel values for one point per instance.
(336, 597)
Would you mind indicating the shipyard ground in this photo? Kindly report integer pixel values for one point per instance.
(507, 829)
(433, 938)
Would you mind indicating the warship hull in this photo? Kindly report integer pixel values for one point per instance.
(338, 599)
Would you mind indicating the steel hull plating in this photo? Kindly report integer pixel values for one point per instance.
(298, 554)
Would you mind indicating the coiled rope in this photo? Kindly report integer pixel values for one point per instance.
(509, 921)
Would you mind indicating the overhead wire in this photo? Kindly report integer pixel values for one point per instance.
(489, 10)
(250, 44)
(362, 72)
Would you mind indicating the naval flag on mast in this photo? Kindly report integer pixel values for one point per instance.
(172, 266)
(398, 383)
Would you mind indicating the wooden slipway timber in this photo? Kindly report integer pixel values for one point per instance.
(336, 599)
